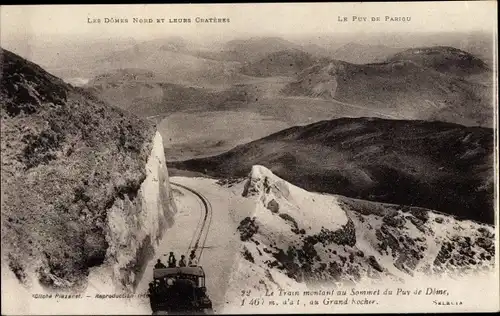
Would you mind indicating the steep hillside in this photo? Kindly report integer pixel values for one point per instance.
(282, 63)
(298, 240)
(364, 54)
(442, 166)
(83, 184)
(402, 87)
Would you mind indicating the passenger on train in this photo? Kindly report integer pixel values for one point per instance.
(159, 265)
(193, 262)
(151, 289)
(182, 262)
(171, 260)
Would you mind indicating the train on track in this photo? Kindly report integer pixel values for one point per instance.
(179, 290)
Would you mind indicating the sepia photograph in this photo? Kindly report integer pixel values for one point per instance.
(249, 158)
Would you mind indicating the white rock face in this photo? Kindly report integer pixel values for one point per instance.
(283, 216)
(290, 202)
(299, 240)
(136, 226)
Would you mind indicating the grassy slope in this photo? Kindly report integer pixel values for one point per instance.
(437, 165)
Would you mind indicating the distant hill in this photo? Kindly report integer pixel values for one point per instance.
(66, 158)
(174, 59)
(281, 63)
(122, 75)
(256, 48)
(443, 166)
(259, 47)
(444, 59)
(68, 58)
(364, 54)
(478, 43)
(176, 43)
(415, 88)
(146, 94)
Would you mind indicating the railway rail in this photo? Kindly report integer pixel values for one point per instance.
(200, 235)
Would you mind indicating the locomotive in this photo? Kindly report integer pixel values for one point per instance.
(178, 290)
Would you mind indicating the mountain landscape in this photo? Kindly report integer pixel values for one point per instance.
(278, 84)
(446, 60)
(146, 94)
(321, 159)
(443, 166)
(177, 66)
(477, 43)
(250, 49)
(415, 84)
(67, 58)
(274, 84)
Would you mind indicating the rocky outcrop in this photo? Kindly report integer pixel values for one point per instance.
(83, 184)
(299, 237)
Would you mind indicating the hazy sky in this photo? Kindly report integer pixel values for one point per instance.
(70, 21)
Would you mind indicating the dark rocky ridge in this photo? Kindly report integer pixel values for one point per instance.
(442, 166)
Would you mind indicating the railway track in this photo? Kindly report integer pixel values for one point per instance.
(197, 244)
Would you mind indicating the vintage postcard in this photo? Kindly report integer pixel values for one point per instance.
(249, 158)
